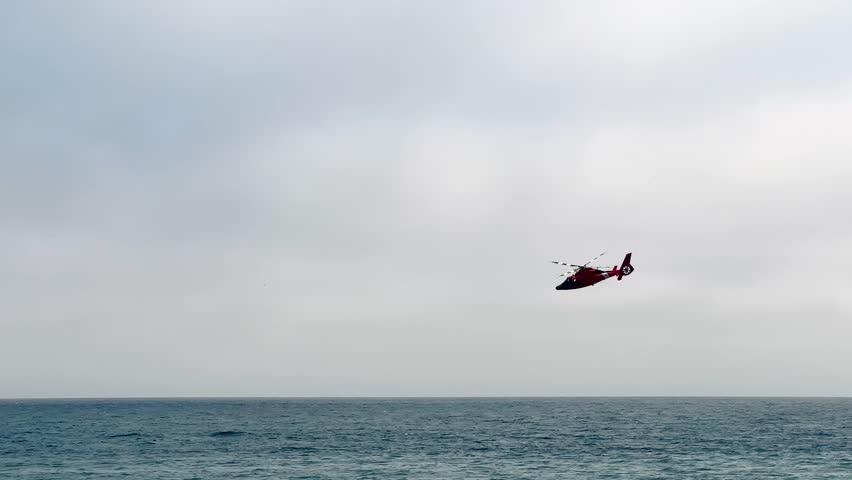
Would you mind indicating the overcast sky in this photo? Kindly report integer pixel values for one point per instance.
(205, 198)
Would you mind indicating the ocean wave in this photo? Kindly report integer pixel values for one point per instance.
(227, 433)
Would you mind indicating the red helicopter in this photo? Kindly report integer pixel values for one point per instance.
(584, 275)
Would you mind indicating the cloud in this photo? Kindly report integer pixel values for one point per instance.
(205, 198)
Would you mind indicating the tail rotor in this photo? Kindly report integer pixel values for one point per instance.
(626, 267)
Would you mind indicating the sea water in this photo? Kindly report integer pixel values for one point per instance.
(547, 438)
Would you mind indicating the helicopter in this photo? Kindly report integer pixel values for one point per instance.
(584, 276)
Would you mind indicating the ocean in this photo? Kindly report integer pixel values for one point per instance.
(493, 438)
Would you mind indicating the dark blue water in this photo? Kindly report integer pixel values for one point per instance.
(588, 438)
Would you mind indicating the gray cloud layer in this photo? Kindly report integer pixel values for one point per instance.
(324, 198)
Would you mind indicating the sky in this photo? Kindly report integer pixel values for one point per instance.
(334, 198)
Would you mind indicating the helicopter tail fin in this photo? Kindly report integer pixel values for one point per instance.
(626, 267)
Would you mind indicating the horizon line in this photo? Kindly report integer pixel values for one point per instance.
(422, 397)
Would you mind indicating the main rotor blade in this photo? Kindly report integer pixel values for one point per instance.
(592, 260)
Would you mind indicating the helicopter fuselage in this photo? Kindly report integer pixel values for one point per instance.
(586, 277)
